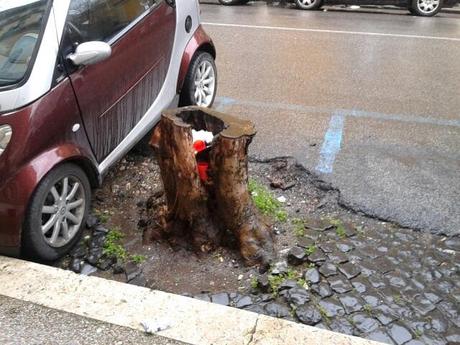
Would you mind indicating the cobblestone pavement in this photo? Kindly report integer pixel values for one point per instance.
(336, 269)
(385, 286)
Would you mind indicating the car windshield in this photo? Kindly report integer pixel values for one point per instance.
(21, 22)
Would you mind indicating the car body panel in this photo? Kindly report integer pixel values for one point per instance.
(184, 9)
(47, 133)
(33, 152)
(127, 83)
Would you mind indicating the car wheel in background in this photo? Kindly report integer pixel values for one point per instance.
(425, 8)
(200, 85)
(57, 213)
(233, 2)
(308, 4)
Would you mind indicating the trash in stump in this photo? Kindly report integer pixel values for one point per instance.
(205, 136)
(201, 141)
(199, 145)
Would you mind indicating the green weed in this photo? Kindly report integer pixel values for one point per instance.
(339, 227)
(266, 202)
(299, 227)
(324, 315)
(113, 247)
(102, 216)
(310, 249)
(138, 259)
(275, 282)
(367, 309)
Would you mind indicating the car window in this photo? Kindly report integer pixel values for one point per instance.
(101, 20)
(21, 23)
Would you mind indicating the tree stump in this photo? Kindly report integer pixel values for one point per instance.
(204, 211)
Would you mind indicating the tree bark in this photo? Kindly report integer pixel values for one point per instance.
(203, 211)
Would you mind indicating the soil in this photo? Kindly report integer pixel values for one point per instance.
(126, 191)
(341, 270)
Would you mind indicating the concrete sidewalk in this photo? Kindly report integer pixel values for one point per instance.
(46, 305)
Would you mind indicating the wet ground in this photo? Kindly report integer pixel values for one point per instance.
(338, 269)
(354, 97)
(381, 84)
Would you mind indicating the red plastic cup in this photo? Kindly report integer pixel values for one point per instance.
(203, 170)
(199, 145)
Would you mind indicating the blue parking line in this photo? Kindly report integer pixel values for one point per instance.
(331, 144)
(224, 102)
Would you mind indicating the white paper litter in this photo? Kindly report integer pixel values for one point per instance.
(151, 327)
(202, 135)
(281, 199)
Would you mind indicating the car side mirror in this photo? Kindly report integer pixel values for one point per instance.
(89, 53)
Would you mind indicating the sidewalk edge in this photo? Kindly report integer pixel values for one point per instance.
(188, 320)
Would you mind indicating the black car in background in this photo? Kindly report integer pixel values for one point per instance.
(425, 8)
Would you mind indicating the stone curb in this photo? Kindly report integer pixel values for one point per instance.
(185, 319)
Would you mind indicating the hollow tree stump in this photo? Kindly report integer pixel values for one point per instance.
(204, 211)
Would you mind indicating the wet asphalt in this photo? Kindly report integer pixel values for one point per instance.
(24, 323)
(369, 100)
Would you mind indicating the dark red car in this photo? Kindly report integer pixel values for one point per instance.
(81, 82)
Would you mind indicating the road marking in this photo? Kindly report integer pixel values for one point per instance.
(331, 144)
(376, 34)
(224, 102)
(408, 118)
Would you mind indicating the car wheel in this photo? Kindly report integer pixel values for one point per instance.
(57, 213)
(200, 85)
(233, 2)
(426, 8)
(308, 4)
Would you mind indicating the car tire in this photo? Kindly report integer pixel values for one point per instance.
(308, 4)
(425, 8)
(233, 2)
(56, 214)
(200, 84)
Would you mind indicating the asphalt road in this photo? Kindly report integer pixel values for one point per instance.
(367, 100)
(24, 323)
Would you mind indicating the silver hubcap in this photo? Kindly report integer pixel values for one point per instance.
(427, 6)
(63, 212)
(205, 84)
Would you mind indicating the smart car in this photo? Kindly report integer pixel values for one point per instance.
(81, 82)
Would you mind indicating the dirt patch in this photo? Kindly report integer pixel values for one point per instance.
(334, 268)
(135, 181)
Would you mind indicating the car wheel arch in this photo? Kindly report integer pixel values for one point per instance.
(43, 164)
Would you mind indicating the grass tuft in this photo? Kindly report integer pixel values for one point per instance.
(113, 247)
(266, 202)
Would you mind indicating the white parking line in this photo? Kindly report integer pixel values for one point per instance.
(377, 34)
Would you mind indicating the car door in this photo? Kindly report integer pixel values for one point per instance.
(114, 94)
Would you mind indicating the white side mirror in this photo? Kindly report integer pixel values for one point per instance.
(89, 53)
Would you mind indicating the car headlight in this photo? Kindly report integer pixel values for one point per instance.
(5, 136)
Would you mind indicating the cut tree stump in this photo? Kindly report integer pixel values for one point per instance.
(204, 212)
